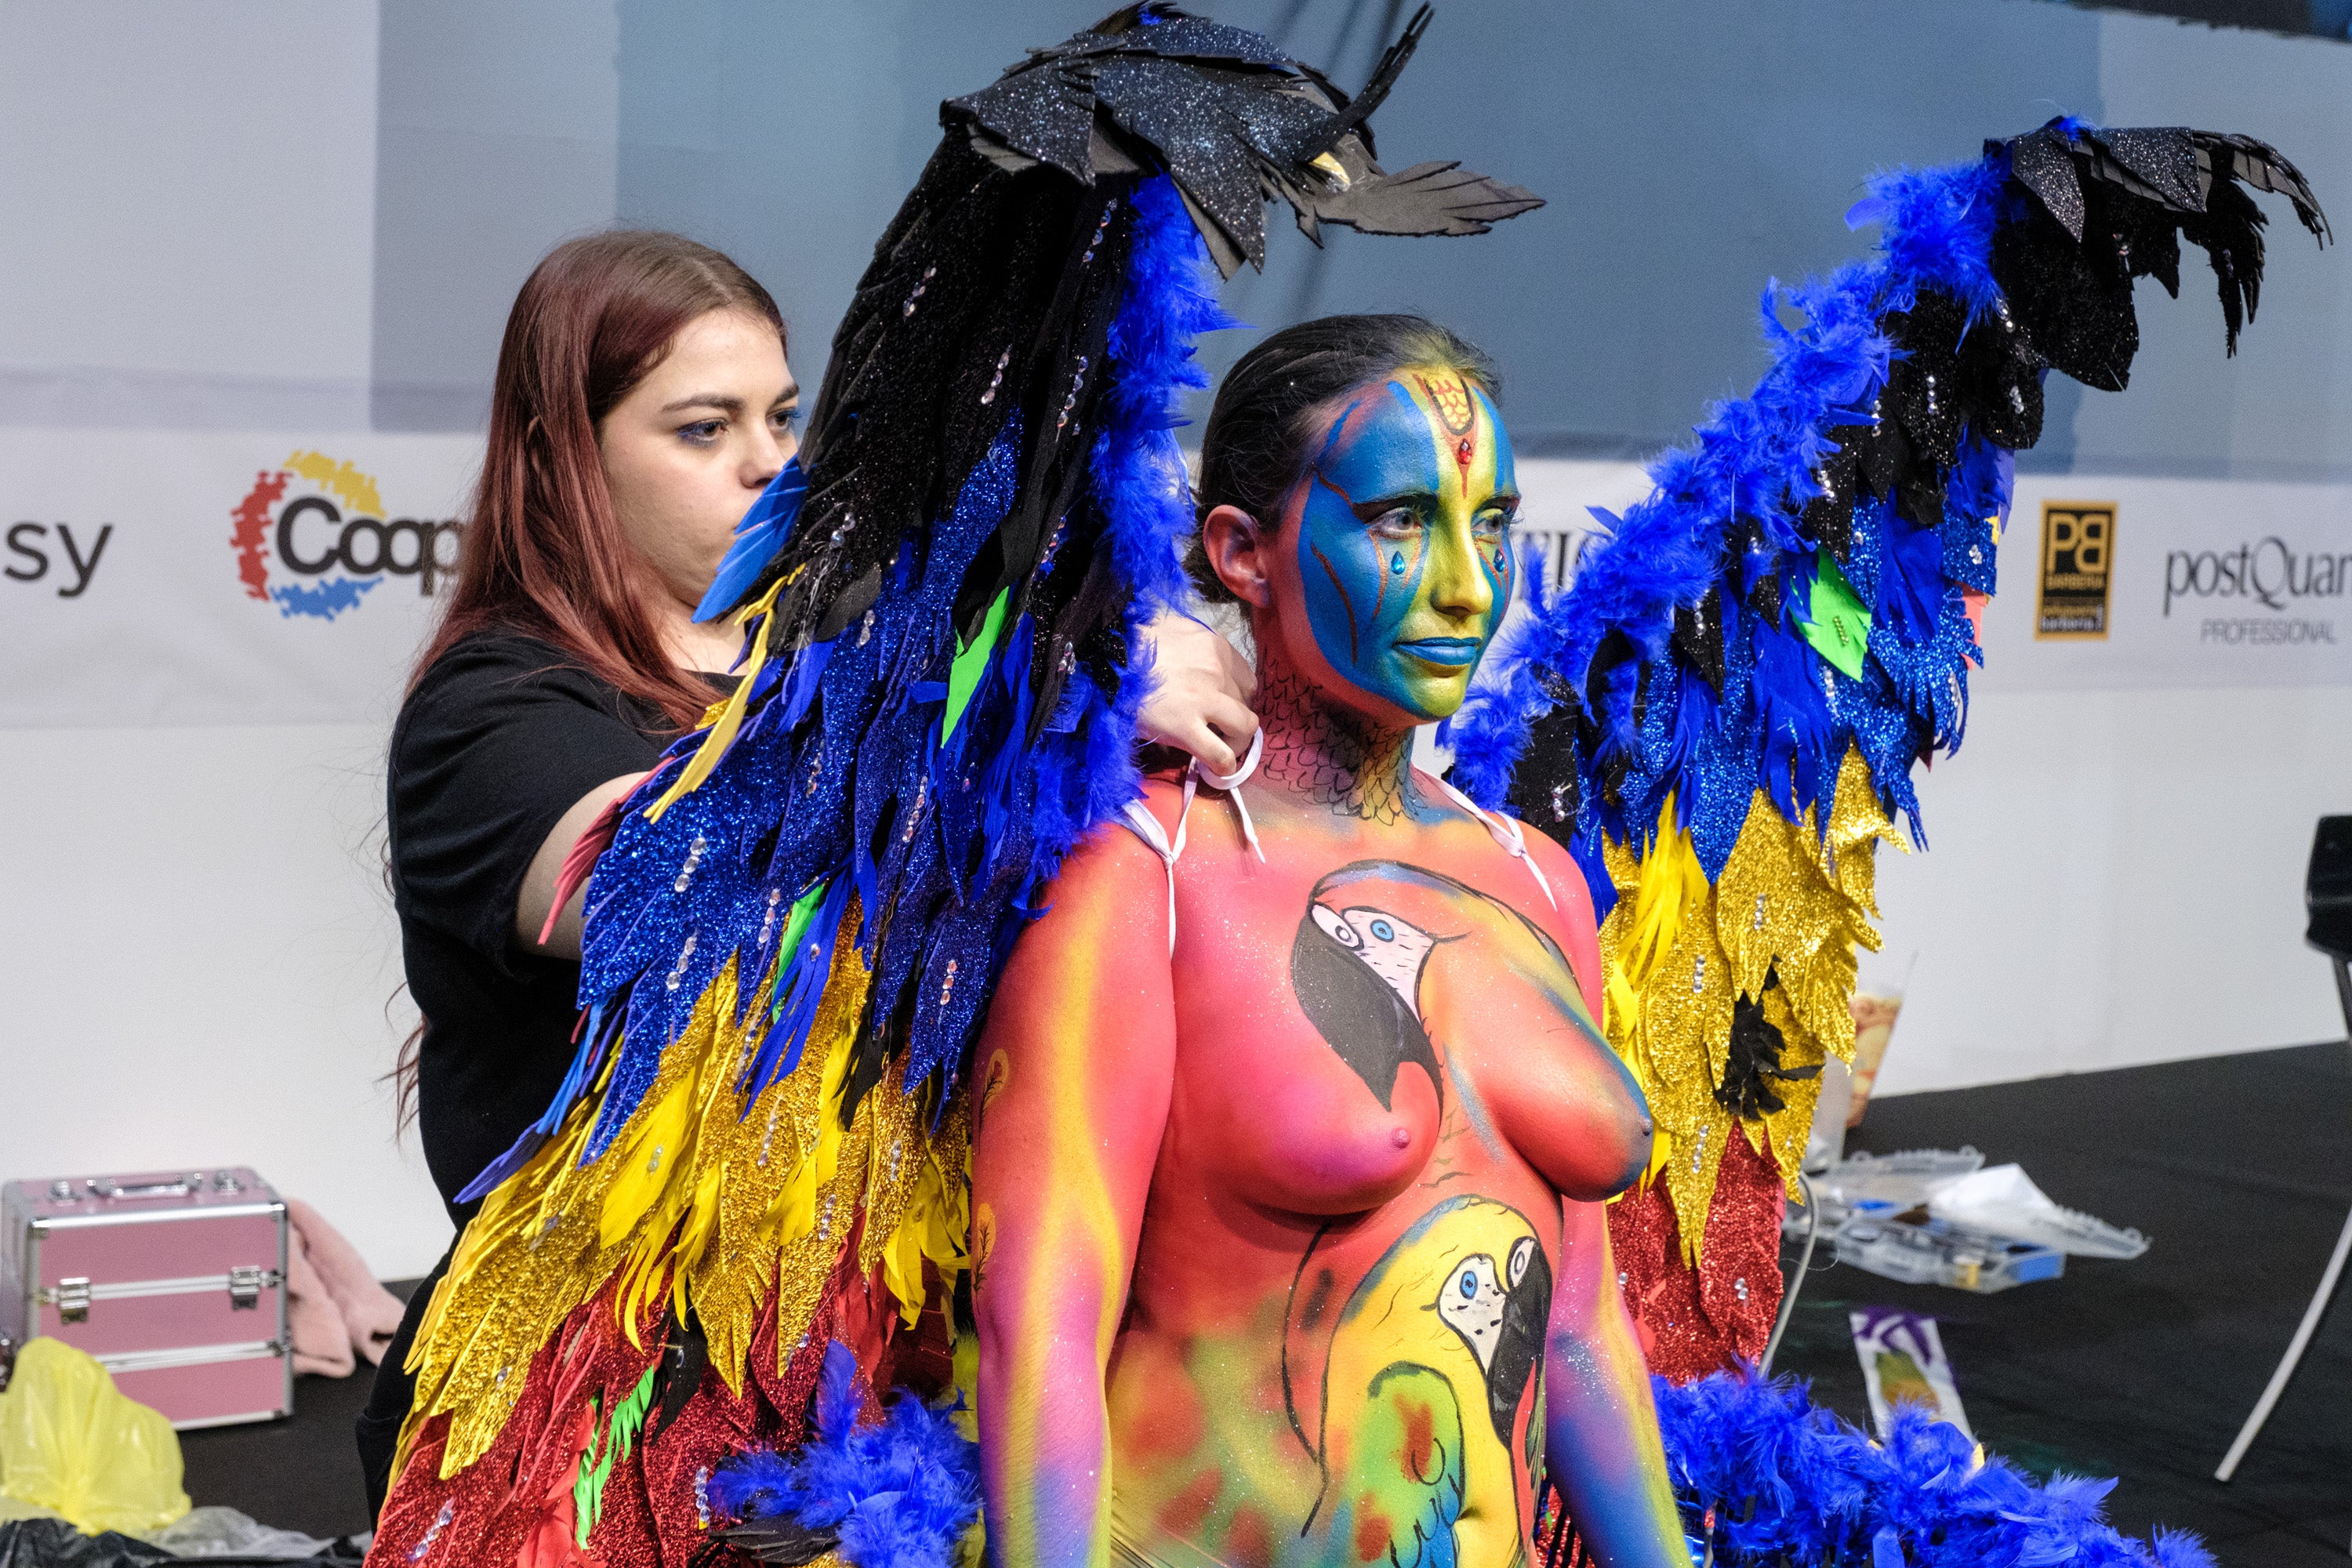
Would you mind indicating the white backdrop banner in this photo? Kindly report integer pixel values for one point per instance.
(243, 578)
(2108, 584)
(2197, 582)
(160, 577)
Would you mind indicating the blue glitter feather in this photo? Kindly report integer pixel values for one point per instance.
(758, 537)
(838, 777)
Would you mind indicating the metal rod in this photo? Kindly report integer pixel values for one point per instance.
(1804, 1261)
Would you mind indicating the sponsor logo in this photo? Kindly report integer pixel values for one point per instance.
(312, 537)
(33, 548)
(2270, 572)
(2078, 551)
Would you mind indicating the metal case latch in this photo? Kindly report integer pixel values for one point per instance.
(73, 1300)
(244, 1287)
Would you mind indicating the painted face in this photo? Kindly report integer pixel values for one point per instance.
(1405, 554)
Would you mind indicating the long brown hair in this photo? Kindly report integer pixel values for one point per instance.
(543, 553)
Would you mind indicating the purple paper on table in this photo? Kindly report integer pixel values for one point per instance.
(1903, 1361)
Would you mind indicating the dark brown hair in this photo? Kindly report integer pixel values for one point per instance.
(1254, 447)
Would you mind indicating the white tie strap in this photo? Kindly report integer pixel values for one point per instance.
(1147, 827)
(1508, 833)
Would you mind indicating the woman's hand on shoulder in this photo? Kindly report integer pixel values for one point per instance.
(1201, 696)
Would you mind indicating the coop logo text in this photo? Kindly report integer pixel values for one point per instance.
(314, 537)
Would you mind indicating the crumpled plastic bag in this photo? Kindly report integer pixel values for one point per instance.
(71, 1441)
(54, 1543)
(216, 1532)
(2001, 1200)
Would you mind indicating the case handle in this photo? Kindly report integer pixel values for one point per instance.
(172, 1187)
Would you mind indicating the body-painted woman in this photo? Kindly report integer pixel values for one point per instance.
(1287, 1213)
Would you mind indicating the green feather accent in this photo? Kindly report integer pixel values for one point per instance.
(794, 924)
(971, 664)
(620, 1437)
(1835, 623)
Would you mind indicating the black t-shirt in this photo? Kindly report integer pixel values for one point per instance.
(499, 739)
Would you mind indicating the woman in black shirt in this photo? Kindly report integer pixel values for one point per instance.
(642, 403)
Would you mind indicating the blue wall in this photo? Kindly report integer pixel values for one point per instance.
(1690, 149)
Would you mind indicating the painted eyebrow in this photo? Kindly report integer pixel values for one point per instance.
(724, 402)
(1406, 500)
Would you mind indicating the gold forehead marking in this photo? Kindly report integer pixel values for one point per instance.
(1451, 397)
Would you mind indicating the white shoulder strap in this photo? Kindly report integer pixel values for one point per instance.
(1146, 826)
(1508, 833)
(1231, 784)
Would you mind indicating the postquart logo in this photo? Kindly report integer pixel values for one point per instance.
(313, 537)
(2266, 574)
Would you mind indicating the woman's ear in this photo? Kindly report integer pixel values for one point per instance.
(1236, 545)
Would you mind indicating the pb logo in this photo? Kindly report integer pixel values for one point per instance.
(2078, 546)
(311, 538)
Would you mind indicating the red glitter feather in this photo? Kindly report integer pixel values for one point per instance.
(1696, 1322)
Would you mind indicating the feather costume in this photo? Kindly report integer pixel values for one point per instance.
(1720, 717)
(1765, 1478)
(751, 1188)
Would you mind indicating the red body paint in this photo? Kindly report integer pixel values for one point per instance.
(1283, 1265)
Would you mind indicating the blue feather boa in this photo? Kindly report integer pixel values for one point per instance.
(1137, 470)
(900, 1492)
(1762, 1474)
(1774, 1479)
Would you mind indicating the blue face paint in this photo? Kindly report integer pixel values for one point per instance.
(1403, 549)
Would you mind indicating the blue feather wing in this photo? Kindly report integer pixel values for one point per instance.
(1880, 440)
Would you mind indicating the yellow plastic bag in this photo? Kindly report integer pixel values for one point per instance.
(70, 1440)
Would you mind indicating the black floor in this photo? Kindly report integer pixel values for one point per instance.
(2239, 1167)
(298, 1474)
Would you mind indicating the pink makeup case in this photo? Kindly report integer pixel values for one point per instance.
(175, 1280)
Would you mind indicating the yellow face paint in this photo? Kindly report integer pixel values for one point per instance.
(1403, 537)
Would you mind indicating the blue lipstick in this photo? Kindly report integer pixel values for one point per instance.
(1454, 651)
